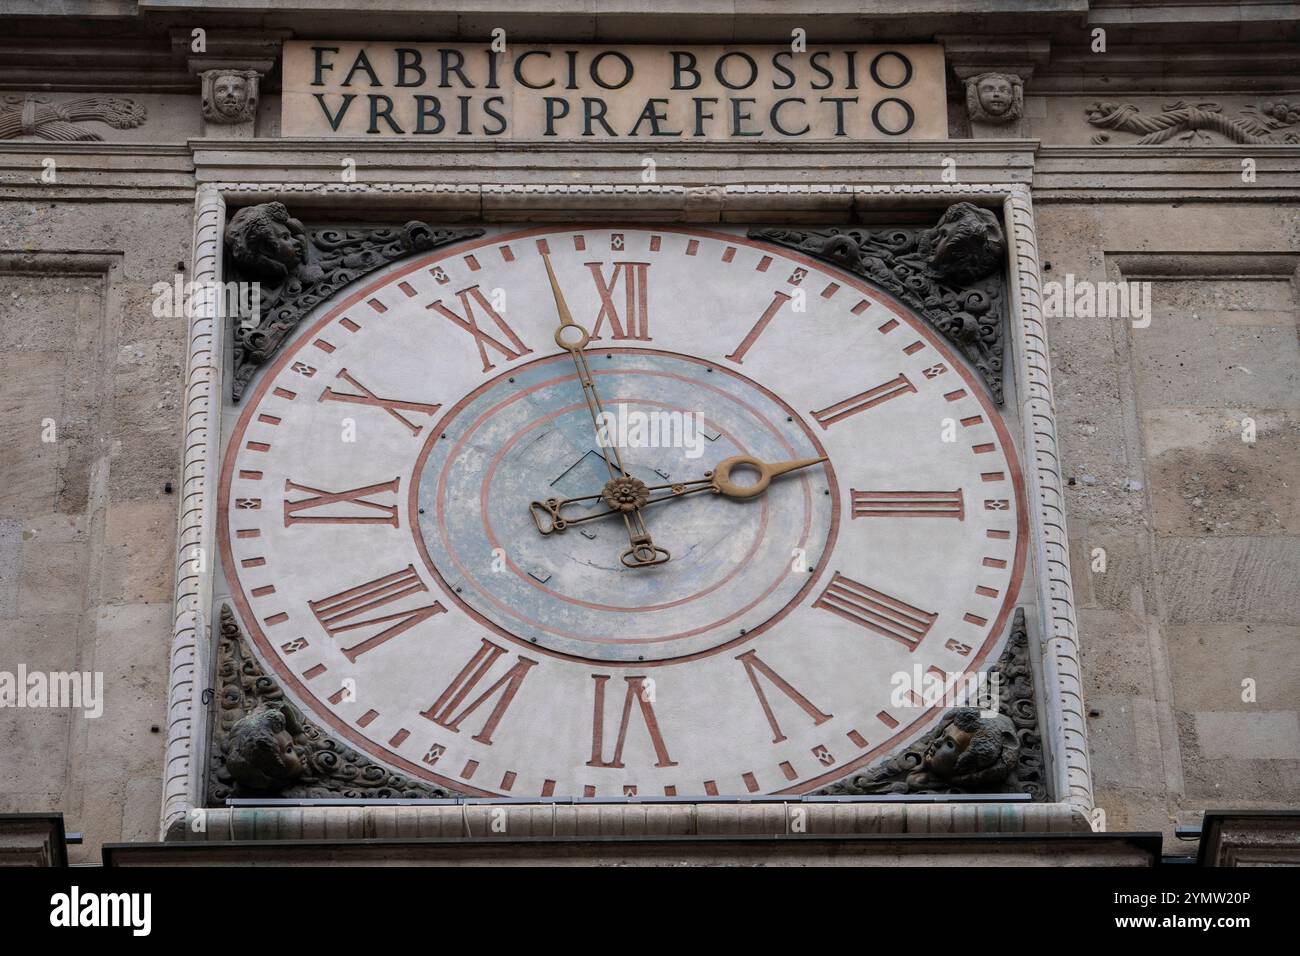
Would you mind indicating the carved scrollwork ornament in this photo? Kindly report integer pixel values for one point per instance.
(1184, 124)
(262, 745)
(297, 269)
(971, 750)
(952, 274)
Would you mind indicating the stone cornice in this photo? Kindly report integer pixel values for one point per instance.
(773, 817)
(709, 184)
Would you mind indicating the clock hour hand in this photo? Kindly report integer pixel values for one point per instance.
(573, 338)
(626, 493)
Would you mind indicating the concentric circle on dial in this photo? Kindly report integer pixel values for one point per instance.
(529, 436)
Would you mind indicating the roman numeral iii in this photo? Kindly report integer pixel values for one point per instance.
(908, 504)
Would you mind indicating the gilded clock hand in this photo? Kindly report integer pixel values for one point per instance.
(573, 338)
(622, 494)
(767, 470)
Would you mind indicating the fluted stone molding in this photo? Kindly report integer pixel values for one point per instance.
(190, 646)
(1061, 658)
(1053, 614)
(771, 817)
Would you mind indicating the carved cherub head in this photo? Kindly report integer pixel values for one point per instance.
(970, 750)
(266, 242)
(260, 751)
(229, 96)
(965, 245)
(995, 97)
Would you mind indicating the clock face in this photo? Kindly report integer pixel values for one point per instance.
(691, 557)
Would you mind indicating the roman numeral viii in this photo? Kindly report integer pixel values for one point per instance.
(908, 504)
(876, 611)
(344, 611)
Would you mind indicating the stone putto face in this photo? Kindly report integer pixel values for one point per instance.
(995, 97)
(230, 96)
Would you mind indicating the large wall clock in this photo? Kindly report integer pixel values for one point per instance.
(432, 547)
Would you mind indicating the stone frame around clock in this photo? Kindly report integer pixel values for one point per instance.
(1054, 637)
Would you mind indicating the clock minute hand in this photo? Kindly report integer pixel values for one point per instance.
(573, 338)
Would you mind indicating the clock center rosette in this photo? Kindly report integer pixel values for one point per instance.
(527, 435)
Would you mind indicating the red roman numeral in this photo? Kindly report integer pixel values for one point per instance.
(863, 400)
(635, 693)
(778, 299)
(387, 513)
(338, 612)
(390, 405)
(635, 276)
(754, 666)
(467, 298)
(908, 504)
(876, 611)
(443, 712)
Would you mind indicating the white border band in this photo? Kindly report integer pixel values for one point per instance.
(1061, 691)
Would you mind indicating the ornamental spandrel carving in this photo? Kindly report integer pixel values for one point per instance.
(952, 274)
(1183, 124)
(297, 268)
(971, 750)
(40, 116)
(263, 746)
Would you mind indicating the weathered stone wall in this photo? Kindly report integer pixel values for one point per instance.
(86, 527)
(1200, 530)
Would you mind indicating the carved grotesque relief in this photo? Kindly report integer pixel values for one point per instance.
(260, 751)
(970, 750)
(995, 97)
(951, 273)
(229, 96)
(266, 243)
(298, 269)
(1185, 124)
(38, 116)
(965, 245)
(262, 744)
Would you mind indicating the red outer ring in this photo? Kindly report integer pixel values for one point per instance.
(365, 744)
